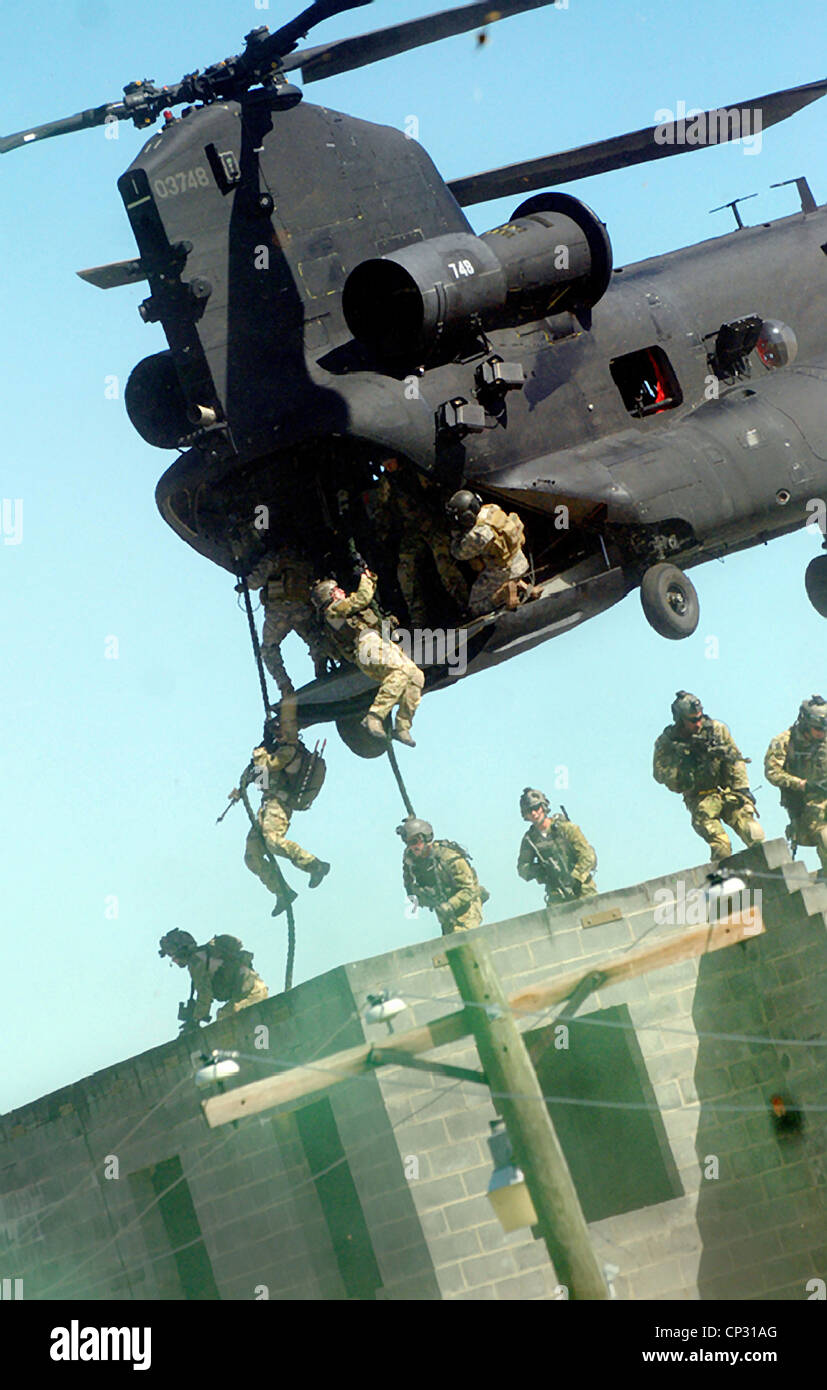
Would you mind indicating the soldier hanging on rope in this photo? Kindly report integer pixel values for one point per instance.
(696, 757)
(554, 851)
(355, 628)
(285, 578)
(438, 874)
(290, 778)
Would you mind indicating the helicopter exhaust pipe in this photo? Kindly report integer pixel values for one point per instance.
(202, 415)
(413, 304)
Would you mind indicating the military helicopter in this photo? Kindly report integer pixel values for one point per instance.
(328, 308)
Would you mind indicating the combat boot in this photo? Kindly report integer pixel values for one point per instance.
(283, 901)
(318, 871)
(404, 736)
(374, 726)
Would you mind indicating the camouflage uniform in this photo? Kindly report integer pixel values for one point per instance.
(423, 531)
(285, 580)
(214, 977)
(711, 774)
(356, 634)
(488, 544)
(269, 773)
(791, 760)
(445, 882)
(561, 858)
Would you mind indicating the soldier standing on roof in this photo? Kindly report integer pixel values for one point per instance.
(438, 874)
(796, 761)
(696, 757)
(220, 969)
(554, 851)
(290, 778)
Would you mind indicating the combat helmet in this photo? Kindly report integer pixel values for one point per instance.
(530, 799)
(321, 595)
(463, 507)
(176, 943)
(411, 828)
(813, 713)
(686, 706)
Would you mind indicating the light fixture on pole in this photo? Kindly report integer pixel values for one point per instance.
(507, 1189)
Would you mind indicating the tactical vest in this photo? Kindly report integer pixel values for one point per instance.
(556, 846)
(304, 778)
(234, 968)
(290, 580)
(807, 761)
(709, 765)
(298, 784)
(509, 537)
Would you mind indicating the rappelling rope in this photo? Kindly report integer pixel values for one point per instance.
(282, 883)
(242, 581)
(399, 782)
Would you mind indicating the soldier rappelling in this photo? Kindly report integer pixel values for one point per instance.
(355, 629)
(290, 778)
(220, 969)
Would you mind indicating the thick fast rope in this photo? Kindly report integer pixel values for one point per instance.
(282, 884)
(399, 782)
(256, 645)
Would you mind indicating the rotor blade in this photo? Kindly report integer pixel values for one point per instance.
(96, 115)
(343, 55)
(110, 277)
(639, 147)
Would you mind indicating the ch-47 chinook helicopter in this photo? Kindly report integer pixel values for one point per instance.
(328, 307)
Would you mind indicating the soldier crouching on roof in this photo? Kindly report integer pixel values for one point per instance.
(220, 969)
(278, 767)
(438, 874)
(697, 757)
(554, 851)
(796, 762)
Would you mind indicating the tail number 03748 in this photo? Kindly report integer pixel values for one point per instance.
(174, 184)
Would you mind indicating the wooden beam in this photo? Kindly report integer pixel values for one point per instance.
(299, 1082)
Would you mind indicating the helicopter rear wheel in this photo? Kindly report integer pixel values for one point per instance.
(815, 582)
(358, 740)
(670, 601)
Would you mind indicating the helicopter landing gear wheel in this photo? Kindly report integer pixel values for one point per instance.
(670, 601)
(358, 740)
(815, 582)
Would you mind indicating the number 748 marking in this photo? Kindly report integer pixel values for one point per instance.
(461, 268)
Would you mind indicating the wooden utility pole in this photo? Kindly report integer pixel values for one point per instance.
(516, 1094)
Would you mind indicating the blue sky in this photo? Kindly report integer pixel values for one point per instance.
(115, 770)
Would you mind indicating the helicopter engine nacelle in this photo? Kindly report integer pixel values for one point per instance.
(414, 304)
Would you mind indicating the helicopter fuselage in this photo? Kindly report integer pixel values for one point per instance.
(619, 412)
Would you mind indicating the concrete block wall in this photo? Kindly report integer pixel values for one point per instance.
(414, 1144)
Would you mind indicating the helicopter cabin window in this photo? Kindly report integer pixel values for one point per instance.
(646, 380)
